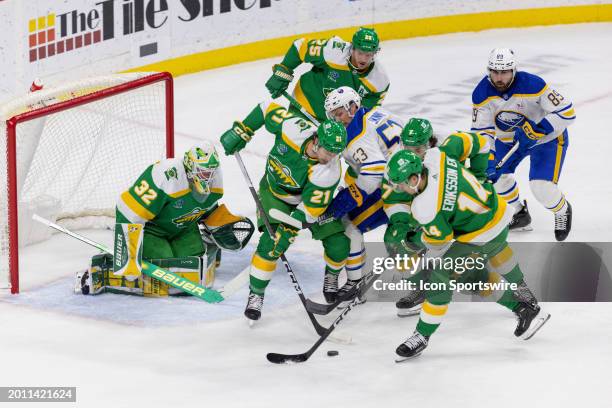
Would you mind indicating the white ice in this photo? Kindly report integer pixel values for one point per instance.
(130, 351)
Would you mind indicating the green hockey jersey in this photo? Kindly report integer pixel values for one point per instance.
(472, 146)
(454, 205)
(292, 176)
(162, 199)
(330, 70)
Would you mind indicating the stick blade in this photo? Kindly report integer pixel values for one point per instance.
(277, 358)
(318, 308)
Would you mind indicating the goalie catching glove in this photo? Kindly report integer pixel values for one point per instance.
(226, 230)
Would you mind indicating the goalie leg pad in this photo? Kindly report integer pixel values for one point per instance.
(188, 267)
(128, 250)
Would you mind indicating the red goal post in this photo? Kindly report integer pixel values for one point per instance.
(71, 150)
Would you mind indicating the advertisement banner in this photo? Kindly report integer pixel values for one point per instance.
(73, 38)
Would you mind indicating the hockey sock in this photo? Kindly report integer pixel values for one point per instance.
(549, 195)
(261, 273)
(508, 189)
(430, 317)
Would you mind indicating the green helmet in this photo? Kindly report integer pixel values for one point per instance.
(402, 165)
(417, 132)
(200, 164)
(332, 136)
(366, 39)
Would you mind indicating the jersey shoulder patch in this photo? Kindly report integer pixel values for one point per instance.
(170, 177)
(295, 131)
(336, 53)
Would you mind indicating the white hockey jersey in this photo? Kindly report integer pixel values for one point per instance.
(529, 97)
(371, 136)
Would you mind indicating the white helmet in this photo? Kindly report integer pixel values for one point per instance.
(341, 97)
(502, 59)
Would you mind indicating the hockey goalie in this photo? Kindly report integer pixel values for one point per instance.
(171, 217)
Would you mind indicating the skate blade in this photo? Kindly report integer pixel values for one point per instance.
(408, 312)
(539, 322)
(403, 359)
(251, 323)
(523, 229)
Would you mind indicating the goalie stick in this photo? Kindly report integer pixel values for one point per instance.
(278, 358)
(296, 286)
(156, 272)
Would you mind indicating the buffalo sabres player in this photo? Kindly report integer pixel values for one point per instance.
(371, 135)
(519, 107)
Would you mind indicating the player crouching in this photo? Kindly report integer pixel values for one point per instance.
(171, 217)
(460, 217)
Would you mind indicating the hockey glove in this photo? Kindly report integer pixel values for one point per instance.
(236, 138)
(493, 173)
(346, 200)
(283, 238)
(529, 133)
(280, 80)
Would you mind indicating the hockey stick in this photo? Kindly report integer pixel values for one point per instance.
(278, 358)
(148, 268)
(507, 156)
(294, 222)
(295, 103)
(319, 329)
(354, 292)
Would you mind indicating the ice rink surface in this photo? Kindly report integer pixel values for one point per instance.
(126, 351)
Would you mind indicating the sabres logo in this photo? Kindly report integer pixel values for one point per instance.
(507, 121)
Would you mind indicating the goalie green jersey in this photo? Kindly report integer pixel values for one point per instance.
(455, 205)
(330, 70)
(162, 199)
(291, 175)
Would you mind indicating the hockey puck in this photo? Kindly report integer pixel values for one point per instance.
(332, 353)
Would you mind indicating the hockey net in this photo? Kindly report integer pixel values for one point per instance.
(71, 150)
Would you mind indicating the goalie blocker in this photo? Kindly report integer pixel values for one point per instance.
(122, 273)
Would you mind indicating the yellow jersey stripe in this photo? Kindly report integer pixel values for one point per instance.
(364, 215)
(368, 84)
(298, 93)
(290, 142)
(435, 310)
(501, 209)
(441, 182)
(136, 207)
(180, 193)
(332, 263)
(502, 257)
(531, 95)
(314, 211)
(483, 103)
(263, 264)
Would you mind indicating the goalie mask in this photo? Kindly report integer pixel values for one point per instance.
(226, 230)
(201, 162)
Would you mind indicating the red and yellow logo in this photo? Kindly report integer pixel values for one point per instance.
(44, 41)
